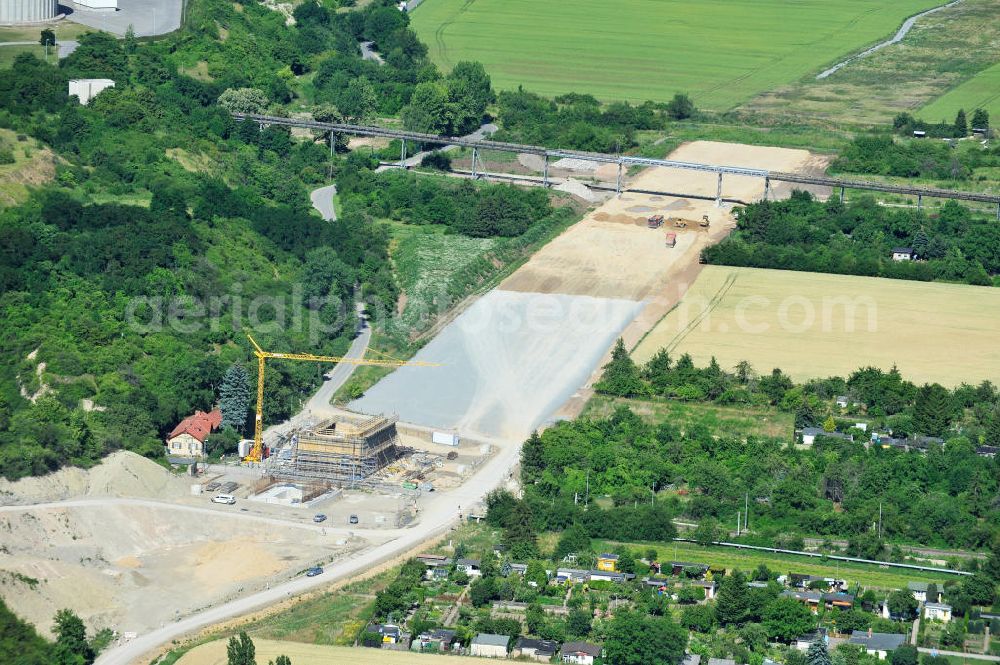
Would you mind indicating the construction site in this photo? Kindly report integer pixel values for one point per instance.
(346, 450)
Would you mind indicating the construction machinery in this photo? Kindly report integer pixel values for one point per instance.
(680, 223)
(654, 221)
(256, 453)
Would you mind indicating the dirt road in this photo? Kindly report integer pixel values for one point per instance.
(214, 653)
(436, 518)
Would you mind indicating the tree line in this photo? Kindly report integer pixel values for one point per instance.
(947, 496)
(857, 238)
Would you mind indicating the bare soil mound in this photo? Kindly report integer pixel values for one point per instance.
(120, 474)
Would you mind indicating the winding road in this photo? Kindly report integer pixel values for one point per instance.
(898, 37)
(322, 200)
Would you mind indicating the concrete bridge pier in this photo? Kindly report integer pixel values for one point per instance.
(718, 192)
(545, 172)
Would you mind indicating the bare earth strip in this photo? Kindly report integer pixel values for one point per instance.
(529, 350)
(816, 325)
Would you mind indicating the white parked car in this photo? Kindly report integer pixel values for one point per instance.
(224, 498)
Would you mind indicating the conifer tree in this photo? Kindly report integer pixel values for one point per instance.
(621, 376)
(234, 397)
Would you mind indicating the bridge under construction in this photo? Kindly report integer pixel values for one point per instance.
(623, 161)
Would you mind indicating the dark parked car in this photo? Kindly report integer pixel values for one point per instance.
(313, 572)
(354, 519)
(320, 517)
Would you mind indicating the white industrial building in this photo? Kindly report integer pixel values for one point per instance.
(19, 12)
(87, 89)
(97, 4)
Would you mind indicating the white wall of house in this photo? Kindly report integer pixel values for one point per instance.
(185, 445)
(488, 651)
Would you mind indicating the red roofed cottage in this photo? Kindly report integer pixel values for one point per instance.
(188, 438)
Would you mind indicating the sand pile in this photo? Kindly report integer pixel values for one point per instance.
(577, 188)
(120, 474)
(131, 566)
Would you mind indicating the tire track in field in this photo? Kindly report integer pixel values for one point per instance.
(712, 304)
(442, 48)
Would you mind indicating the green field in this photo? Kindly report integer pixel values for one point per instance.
(721, 52)
(733, 421)
(747, 560)
(982, 91)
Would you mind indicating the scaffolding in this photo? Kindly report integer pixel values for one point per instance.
(346, 450)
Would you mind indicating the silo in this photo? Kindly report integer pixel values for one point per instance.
(16, 12)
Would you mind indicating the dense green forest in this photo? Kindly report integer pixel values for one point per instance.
(125, 285)
(857, 238)
(884, 399)
(948, 496)
(473, 209)
(880, 154)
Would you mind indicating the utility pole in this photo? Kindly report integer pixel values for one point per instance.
(586, 502)
(737, 523)
(880, 520)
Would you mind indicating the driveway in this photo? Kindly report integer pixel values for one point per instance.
(65, 47)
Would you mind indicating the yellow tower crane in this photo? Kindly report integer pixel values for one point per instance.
(257, 452)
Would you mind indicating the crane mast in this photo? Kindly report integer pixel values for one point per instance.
(256, 453)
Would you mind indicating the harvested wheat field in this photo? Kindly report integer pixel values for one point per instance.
(817, 325)
(214, 653)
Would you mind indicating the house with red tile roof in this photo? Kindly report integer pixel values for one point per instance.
(188, 438)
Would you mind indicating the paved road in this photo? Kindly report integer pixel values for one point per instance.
(65, 47)
(440, 514)
(215, 510)
(975, 656)
(414, 160)
(322, 200)
(339, 375)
